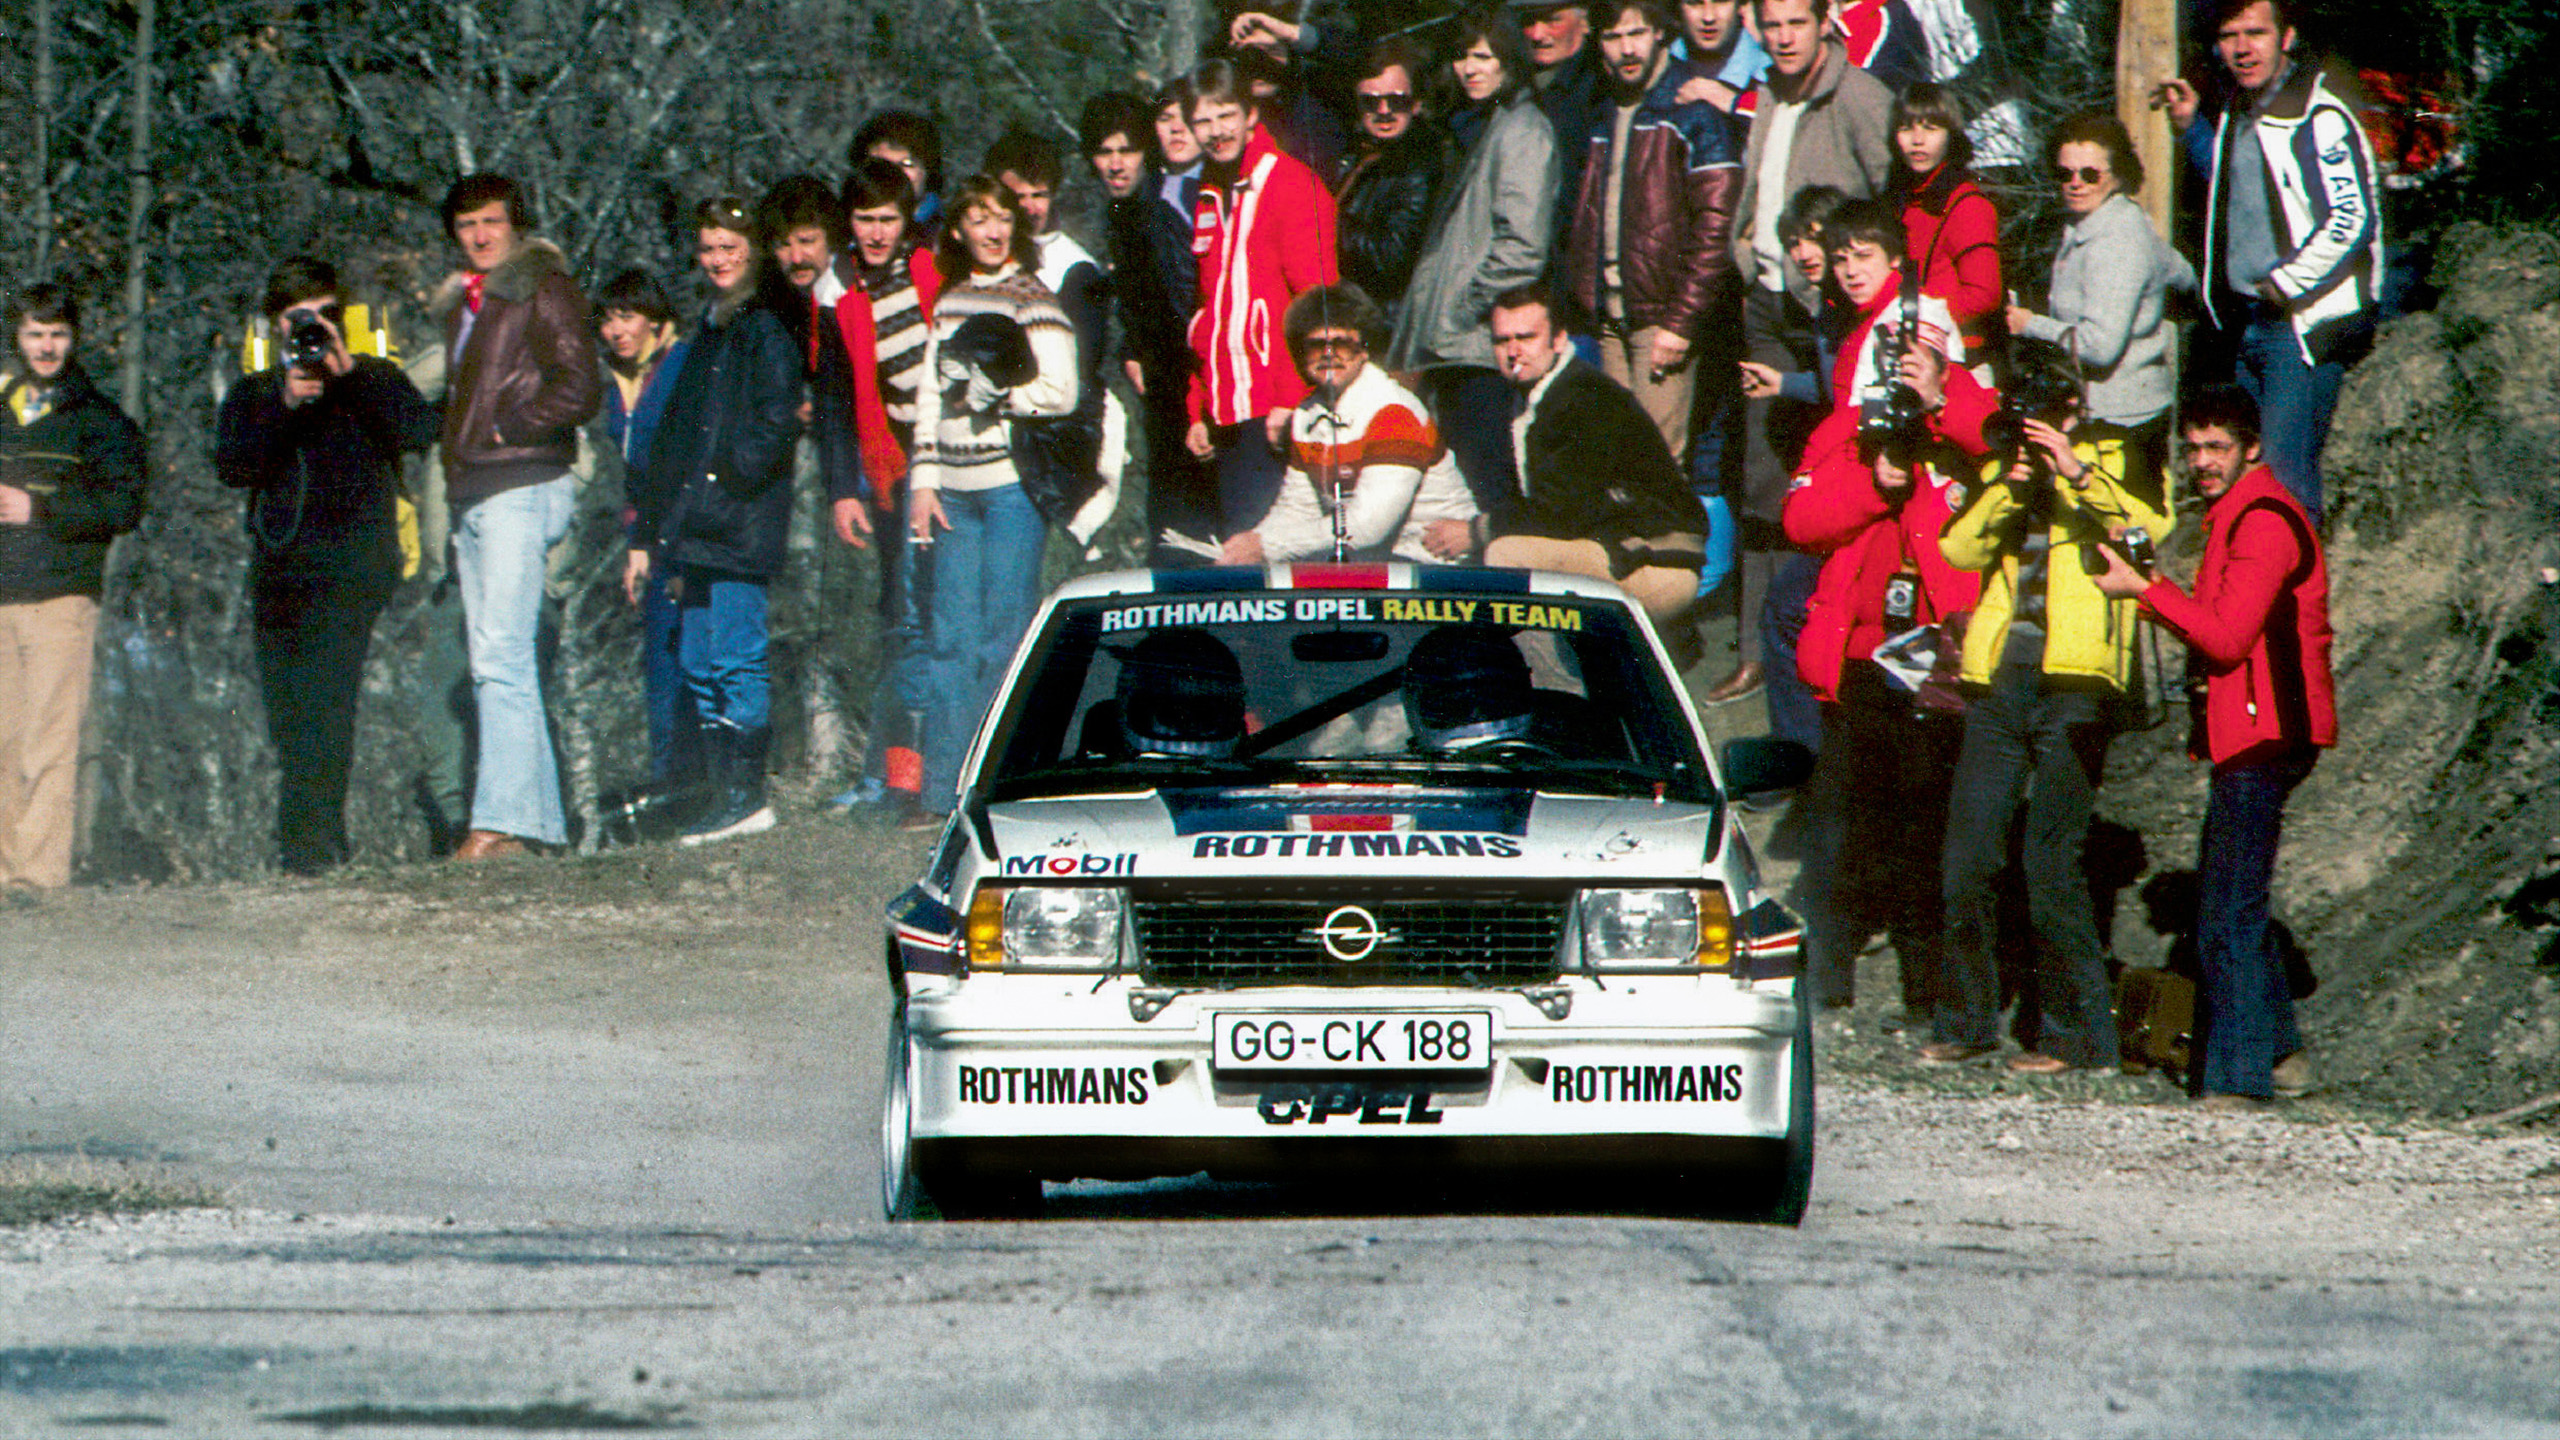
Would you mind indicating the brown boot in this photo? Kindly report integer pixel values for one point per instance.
(490, 845)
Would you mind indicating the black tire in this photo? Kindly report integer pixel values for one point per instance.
(1788, 1181)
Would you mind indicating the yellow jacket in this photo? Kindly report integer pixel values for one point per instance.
(2086, 633)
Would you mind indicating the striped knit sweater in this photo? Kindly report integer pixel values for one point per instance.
(958, 450)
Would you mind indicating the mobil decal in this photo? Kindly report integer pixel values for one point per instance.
(1074, 864)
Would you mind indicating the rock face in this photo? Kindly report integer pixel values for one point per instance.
(2411, 855)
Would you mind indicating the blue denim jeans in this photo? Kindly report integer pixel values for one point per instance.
(2244, 1016)
(720, 641)
(2295, 404)
(673, 750)
(901, 691)
(499, 545)
(986, 584)
(1793, 712)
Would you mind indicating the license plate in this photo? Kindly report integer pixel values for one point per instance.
(1333, 1040)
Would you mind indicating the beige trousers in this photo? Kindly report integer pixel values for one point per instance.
(46, 649)
(1629, 361)
(1663, 590)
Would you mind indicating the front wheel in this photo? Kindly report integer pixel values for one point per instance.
(1788, 1180)
(901, 1196)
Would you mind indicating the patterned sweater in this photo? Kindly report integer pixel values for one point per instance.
(960, 449)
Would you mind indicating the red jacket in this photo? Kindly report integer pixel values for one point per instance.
(1835, 509)
(1953, 231)
(883, 463)
(2259, 620)
(1260, 241)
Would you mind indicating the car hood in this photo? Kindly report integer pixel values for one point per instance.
(1369, 831)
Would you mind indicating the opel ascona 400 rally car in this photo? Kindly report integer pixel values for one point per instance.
(1370, 867)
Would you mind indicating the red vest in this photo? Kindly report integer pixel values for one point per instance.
(2267, 681)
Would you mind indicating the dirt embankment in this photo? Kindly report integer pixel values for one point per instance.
(2421, 862)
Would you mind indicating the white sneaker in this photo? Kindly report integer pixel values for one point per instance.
(755, 822)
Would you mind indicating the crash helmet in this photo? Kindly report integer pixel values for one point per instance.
(1466, 685)
(1181, 692)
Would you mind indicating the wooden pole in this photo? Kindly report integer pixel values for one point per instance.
(2146, 54)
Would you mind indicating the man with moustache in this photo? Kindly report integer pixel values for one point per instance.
(71, 480)
(1646, 256)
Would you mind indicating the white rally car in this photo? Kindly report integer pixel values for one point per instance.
(1373, 868)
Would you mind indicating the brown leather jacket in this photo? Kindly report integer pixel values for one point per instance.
(1676, 213)
(524, 381)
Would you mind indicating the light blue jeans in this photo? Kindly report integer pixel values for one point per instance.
(986, 586)
(500, 543)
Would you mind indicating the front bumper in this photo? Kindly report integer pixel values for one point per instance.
(1056, 1074)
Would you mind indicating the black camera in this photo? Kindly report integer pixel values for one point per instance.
(1896, 425)
(307, 342)
(2041, 387)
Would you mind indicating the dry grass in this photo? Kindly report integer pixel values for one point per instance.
(36, 1190)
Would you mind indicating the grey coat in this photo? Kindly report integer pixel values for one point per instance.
(1844, 140)
(2111, 284)
(1492, 234)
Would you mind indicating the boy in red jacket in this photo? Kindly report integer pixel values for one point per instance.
(2258, 627)
(1264, 234)
(1877, 807)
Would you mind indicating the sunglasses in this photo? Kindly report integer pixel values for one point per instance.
(334, 314)
(2089, 174)
(1338, 344)
(1398, 101)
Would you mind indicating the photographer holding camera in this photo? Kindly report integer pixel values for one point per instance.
(316, 440)
(1883, 474)
(2044, 659)
(2258, 629)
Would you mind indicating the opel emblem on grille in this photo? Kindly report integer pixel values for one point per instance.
(1350, 933)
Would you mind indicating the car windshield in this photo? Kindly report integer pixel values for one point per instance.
(1144, 691)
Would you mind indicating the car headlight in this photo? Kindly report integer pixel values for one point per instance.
(1045, 925)
(1657, 928)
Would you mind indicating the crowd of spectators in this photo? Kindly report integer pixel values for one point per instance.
(1700, 296)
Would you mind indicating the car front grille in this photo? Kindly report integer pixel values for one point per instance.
(1485, 940)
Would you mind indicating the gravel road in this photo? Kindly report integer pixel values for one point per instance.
(587, 1148)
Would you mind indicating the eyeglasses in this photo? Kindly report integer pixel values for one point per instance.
(2089, 175)
(335, 314)
(1383, 101)
(1337, 343)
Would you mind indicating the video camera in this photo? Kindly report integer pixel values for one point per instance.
(2041, 387)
